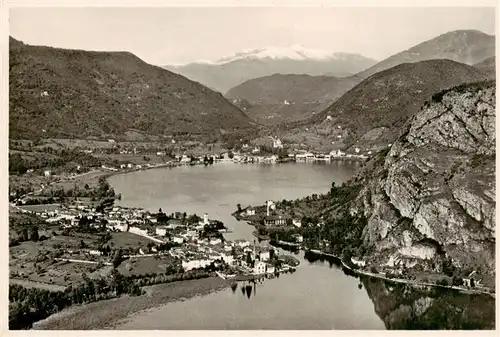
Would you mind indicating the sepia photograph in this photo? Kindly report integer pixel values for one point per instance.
(236, 167)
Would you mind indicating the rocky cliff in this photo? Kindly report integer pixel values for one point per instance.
(430, 197)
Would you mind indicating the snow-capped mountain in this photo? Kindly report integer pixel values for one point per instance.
(294, 52)
(229, 71)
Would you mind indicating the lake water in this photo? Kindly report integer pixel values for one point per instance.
(317, 296)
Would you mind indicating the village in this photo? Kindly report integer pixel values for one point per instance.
(247, 154)
(178, 241)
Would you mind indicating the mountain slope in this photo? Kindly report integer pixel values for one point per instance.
(283, 98)
(464, 46)
(430, 198)
(82, 93)
(488, 66)
(371, 114)
(232, 71)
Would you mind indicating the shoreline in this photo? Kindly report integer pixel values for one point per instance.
(404, 281)
(110, 314)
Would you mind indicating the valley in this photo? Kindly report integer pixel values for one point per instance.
(371, 182)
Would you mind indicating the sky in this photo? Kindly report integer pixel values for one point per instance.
(164, 36)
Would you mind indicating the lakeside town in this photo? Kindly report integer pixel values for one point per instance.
(195, 242)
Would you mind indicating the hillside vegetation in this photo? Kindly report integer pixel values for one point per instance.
(371, 114)
(74, 93)
(282, 98)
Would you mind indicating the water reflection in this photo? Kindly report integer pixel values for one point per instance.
(406, 307)
(402, 306)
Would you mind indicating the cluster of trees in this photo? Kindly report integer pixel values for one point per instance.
(283, 234)
(38, 201)
(101, 191)
(341, 233)
(208, 161)
(26, 234)
(51, 158)
(269, 150)
(17, 164)
(29, 305)
(173, 272)
(16, 192)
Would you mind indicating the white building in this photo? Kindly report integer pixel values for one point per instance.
(205, 219)
(265, 256)
(228, 258)
(259, 268)
(185, 159)
(95, 252)
(299, 238)
(195, 263)
(277, 143)
(242, 243)
(47, 173)
(270, 206)
(359, 263)
(178, 239)
(270, 269)
(337, 153)
(250, 211)
(215, 241)
(296, 222)
(357, 150)
(161, 231)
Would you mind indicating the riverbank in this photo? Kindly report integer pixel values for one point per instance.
(109, 314)
(404, 281)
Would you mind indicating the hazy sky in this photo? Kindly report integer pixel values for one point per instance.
(181, 35)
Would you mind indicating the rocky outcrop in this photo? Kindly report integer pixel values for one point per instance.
(431, 198)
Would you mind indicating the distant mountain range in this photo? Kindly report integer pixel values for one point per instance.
(231, 71)
(312, 93)
(74, 93)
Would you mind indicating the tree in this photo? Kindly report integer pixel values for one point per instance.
(332, 189)
(82, 244)
(160, 211)
(239, 207)
(457, 281)
(118, 258)
(34, 234)
(24, 235)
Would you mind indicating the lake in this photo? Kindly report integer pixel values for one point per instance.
(317, 296)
